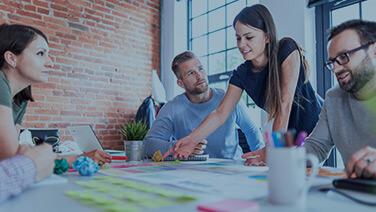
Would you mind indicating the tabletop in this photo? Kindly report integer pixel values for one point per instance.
(150, 186)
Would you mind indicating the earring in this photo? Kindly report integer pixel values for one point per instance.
(13, 65)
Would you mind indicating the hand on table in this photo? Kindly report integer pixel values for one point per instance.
(182, 148)
(98, 156)
(256, 158)
(43, 157)
(362, 163)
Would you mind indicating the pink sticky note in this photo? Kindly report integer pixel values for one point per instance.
(127, 166)
(229, 205)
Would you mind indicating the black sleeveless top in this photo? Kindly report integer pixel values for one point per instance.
(307, 106)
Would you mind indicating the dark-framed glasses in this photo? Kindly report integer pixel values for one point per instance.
(343, 58)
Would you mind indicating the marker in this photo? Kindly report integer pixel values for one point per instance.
(289, 138)
(269, 142)
(300, 140)
(119, 158)
(275, 136)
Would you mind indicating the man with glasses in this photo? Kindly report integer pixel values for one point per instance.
(346, 120)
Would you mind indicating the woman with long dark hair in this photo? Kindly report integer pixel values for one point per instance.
(24, 61)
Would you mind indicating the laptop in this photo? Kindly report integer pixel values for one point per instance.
(86, 139)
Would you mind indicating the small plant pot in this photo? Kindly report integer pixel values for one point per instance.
(134, 150)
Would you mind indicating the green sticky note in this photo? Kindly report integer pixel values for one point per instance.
(104, 167)
(108, 188)
(122, 195)
(85, 195)
(186, 198)
(149, 189)
(103, 178)
(169, 194)
(104, 200)
(175, 162)
(116, 181)
(90, 184)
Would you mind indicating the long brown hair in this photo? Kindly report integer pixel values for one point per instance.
(15, 38)
(258, 16)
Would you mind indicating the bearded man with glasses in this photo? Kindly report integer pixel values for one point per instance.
(346, 120)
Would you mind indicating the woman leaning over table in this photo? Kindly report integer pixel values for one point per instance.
(274, 75)
(24, 61)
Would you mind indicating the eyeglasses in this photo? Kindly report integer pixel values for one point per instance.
(343, 58)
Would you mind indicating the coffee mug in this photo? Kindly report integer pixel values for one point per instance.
(287, 179)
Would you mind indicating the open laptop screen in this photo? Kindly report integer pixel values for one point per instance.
(85, 138)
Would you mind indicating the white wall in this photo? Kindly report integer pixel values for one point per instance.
(174, 41)
(293, 19)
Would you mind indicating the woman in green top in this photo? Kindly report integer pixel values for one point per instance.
(24, 60)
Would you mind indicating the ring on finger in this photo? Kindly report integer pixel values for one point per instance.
(368, 160)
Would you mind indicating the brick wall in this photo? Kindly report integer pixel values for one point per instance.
(103, 53)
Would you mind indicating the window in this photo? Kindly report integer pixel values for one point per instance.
(329, 15)
(211, 37)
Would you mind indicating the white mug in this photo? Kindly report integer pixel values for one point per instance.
(287, 174)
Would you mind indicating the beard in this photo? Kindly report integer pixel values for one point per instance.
(198, 90)
(361, 75)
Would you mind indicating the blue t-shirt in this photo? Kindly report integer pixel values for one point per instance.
(307, 104)
(180, 116)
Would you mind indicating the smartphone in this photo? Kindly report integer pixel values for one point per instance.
(356, 184)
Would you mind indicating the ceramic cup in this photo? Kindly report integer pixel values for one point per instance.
(287, 178)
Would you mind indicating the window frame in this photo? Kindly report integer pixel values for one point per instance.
(226, 75)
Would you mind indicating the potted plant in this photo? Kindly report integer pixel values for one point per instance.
(134, 134)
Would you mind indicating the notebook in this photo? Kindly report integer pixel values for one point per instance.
(203, 157)
(86, 139)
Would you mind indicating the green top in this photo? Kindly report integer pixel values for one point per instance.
(6, 99)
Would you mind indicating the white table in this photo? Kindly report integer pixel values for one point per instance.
(52, 198)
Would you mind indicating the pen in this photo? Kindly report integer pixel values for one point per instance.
(300, 140)
(269, 142)
(275, 136)
(289, 138)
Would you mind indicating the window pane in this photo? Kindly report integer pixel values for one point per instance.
(233, 9)
(199, 26)
(216, 63)
(217, 41)
(204, 63)
(221, 85)
(215, 3)
(199, 45)
(234, 59)
(216, 19)
(368, 10)
(231, 38)
(198, 7)
(244, 97)
(252, 2)
(344, 14)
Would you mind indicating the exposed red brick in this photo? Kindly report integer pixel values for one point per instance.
(103, 53)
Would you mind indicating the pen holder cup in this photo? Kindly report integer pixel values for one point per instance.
(287, 176)
(134, 150)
